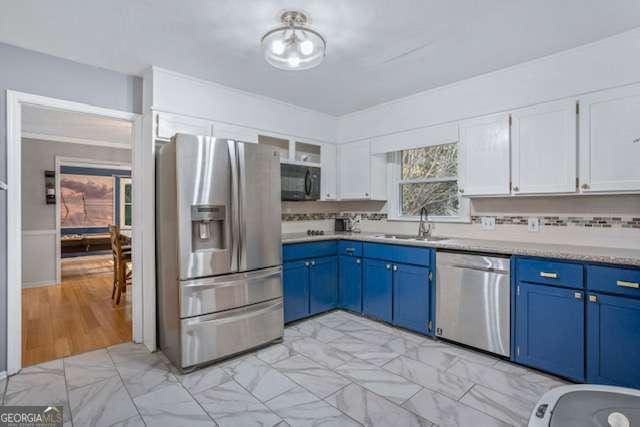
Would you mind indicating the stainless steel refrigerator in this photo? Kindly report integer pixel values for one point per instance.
(218, 248)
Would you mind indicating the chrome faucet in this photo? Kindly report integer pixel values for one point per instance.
(424, 227)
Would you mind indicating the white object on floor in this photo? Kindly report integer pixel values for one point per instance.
(587, 404)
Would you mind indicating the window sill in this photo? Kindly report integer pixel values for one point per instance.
(441, 219)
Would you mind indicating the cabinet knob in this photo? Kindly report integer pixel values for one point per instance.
(516, 188)
(585, 186)
(461, 190)
(366, 194)
(388, 266)
(328, 194)
(593, 298)
(306, 264)
(313, 263)
(358, 261)
(577, 295)
(637, 140)
(395, 268)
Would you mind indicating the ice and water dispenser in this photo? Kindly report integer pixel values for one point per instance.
(207, 227)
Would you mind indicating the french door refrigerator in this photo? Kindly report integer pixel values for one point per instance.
(218, 248)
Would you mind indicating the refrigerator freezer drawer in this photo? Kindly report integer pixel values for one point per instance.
(213, 294)
(214, 336)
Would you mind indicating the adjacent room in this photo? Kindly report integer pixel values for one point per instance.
(76, 233)
(298, 213)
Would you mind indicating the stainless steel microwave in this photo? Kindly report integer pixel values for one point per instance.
(300, 182)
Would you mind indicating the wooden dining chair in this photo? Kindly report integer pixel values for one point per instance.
(121, 263)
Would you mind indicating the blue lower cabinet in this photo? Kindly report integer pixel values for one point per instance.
(350, 283)
(295, 285)
(323, 289)
(377, 289)
(550, 329)
(411, 297)
(613, 340)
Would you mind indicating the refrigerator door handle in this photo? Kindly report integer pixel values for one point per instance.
(242, 196)
(235, 208)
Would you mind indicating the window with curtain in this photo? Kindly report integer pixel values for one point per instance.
(427, 177)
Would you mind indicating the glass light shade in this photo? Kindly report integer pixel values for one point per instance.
(293, 48)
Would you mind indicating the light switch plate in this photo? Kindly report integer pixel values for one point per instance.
(534, 225)
(488, 222)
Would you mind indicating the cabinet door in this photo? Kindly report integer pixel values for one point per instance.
(411, 297)
(613, 340)
(295, 290)
(323, 284)
(350, 283)
(329, 177)
(610, 140)
(544, 148)
(377, 289)
(354, 171)
(484, 156)
(168, 125)
(550, 329)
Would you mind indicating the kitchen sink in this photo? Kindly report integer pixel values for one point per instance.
(410, 237)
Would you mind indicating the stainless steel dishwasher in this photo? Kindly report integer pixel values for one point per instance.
(473, 300)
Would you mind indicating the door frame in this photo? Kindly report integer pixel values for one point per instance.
(141, 320)
(79, 162)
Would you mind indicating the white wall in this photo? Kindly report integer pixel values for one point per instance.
(610, 62)
(172, 92)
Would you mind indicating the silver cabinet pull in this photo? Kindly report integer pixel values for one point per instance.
(313, 263)
(636, 140)
(593, 298)
(585, 186)
(516, 188)
(548, 275)
(358, 261)
(577, 295)
(625, 284)
(461, 190)
(306, 263)
(350, 250)
(388, 266)
(3, 185)
(395, 268)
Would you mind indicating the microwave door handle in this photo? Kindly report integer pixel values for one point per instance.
(307, 183)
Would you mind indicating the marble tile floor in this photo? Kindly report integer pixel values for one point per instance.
(336, 369)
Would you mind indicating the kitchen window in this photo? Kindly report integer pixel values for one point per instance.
(427, 176)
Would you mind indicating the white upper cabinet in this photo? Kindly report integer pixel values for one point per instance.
(610, 140)
(361, 176)
(229, 131)
(484, 156)
(167, 125)
(329, 178)
(543, 148)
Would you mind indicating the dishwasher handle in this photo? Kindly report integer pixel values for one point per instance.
(479, 268)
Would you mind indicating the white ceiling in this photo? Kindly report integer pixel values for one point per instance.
(378, 50)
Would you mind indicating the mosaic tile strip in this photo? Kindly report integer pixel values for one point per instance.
(568, 221)
(371, 216)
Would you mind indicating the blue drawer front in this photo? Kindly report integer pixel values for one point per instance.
(295, 251)
(614, 280)
(349, 248)
(564, 274)
(398, 253)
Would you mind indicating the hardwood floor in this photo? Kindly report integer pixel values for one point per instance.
(74, 317)
(72, 268)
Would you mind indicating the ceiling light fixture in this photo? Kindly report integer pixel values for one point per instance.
(294, 45)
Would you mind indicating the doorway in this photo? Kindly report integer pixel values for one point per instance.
(60, 301)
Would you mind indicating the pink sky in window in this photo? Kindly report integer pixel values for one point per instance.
(86, 200)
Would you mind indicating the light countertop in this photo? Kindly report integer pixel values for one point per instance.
(629, 257)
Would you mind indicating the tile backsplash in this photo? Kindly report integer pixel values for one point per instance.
(581, 220)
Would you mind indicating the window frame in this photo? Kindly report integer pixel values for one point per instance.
(395, 181)
(124, 181)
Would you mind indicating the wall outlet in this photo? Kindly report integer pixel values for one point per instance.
(534, 225)
(488, 222)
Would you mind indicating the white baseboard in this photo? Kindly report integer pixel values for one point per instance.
(39, 284)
